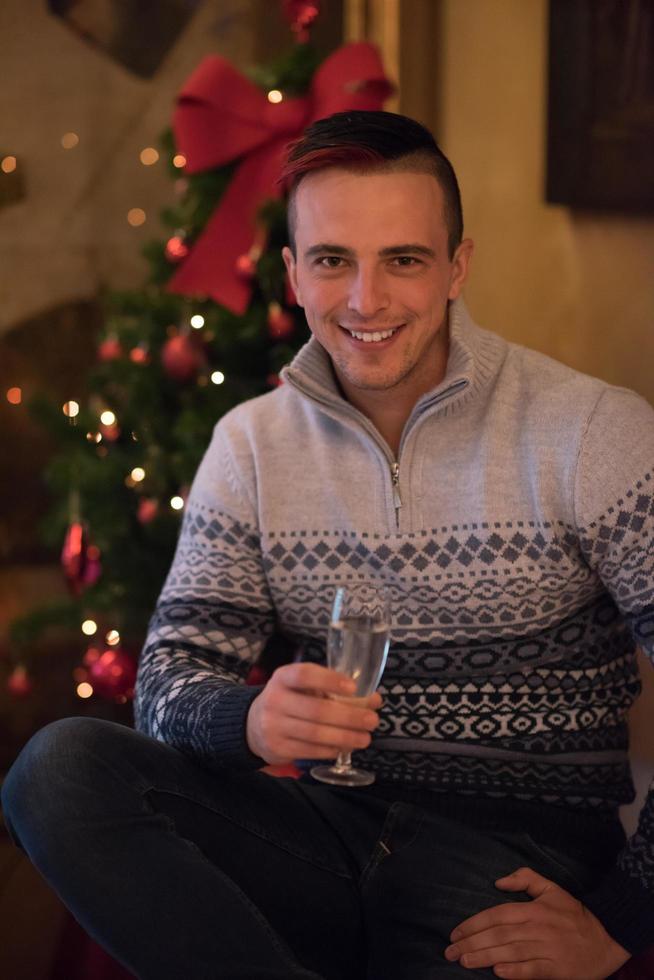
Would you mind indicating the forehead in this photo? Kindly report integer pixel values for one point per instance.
(341, 207)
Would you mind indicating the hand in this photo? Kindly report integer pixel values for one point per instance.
(294, 717)
(552, 938)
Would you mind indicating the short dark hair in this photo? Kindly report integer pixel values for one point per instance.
(370, 142)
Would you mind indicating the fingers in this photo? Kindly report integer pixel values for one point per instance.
(317, 679)
(324, 711)
(526, 880)
(512, 913)
(313, 677)
(517, 952)
(297, 715)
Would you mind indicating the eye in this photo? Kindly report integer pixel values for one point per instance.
(329, 262)
(406, 261)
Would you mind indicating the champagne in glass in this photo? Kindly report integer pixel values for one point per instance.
(357, 645)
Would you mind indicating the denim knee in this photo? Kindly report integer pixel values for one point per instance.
(33, 788)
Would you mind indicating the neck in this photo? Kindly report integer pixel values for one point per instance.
(389, 408)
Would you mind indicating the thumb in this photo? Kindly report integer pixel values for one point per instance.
(525, 880)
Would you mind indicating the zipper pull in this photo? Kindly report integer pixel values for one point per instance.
(395, 476)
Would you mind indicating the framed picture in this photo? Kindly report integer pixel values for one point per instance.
(600, 151)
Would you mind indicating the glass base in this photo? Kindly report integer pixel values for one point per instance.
(342, 775)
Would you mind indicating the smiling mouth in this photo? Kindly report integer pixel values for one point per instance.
(372, 336)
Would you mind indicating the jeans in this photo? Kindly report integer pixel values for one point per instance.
(183, 872)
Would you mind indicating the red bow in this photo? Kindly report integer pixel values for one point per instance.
(222, 116)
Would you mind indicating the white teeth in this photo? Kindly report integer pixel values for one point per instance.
(368, 337)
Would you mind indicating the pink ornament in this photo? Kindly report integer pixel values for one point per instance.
(148, 509)
(280, 322)
(80, 560)
(19, 683)
(110, 349)
(301, 14)
(182, 358)
(176, 248)
(113, 675)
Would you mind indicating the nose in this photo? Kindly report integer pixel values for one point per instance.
(367, 294)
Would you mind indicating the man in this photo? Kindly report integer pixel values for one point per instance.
(506, 503)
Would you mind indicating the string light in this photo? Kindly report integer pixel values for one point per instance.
(197, 321)
(136, 217)
(137, 474)
(179, 160)
(112, 638)
(89, 627)
(94, 436)
(14, 396)
(70, 409)
(107, 417)
(84, 690)
(176, 503)
(217, 377)
(148, 156)
(8, 165)
(275, 95)
(69, 140)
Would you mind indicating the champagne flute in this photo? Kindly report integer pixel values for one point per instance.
(357, 645)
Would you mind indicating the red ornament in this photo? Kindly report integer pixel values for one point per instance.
(139, 354)
(80, 560)
(147, 510)
(301, 14)
(280, 322)
(274, 380)
(182, 357)
(19, 683)
(110, 349)
(176, 247)
(113, 675)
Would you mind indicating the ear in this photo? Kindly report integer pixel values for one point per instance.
(460, 266)
(291, 269)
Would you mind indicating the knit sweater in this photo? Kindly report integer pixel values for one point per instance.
(515, 534)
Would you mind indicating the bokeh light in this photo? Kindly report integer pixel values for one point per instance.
(136, 217)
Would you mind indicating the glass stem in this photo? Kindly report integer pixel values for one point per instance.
(343, 761)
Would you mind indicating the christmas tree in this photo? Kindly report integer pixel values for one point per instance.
(213, 326)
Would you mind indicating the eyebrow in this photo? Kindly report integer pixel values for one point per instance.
(391, 250)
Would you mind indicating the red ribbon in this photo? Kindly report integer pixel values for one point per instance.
(222, 116)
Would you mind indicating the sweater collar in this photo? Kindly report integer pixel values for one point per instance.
(474, 357)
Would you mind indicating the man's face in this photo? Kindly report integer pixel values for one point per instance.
(374, 277)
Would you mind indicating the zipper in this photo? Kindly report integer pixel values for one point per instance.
(397, 499)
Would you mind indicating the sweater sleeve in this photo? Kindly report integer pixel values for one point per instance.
(615, 518)
(211, 621)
